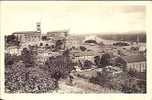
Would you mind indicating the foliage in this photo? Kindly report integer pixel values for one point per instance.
(12, 40)
(11, 59)
(82, 48)
(105, 60)
(120, 44)
(87, 64)
(97, 60)
(19, 78)
(122, 82)
(44, 38)
(91, 41)
(28, 57)
(58, 44)
(60, 66)
(101, 44)
(120, 62)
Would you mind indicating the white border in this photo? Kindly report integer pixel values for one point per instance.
(146, 96)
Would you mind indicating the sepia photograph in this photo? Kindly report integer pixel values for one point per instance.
(65, 48)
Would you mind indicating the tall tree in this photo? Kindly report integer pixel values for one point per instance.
(105, 60)
(28, 57)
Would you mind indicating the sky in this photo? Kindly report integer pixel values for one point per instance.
(78, 18)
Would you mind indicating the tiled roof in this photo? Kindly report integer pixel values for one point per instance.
(134, 58)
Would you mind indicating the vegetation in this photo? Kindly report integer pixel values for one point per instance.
(105, 60)
(59, 67)
(58, 45)
(11, 40)
(120, 44)
(28, 57)
(91, 41)
(120, 62)
(97, 60)
(24, 75)
(82, 48)
(122, 82)
(19, 78)
(44, 38)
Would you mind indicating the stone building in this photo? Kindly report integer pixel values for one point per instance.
(13, 50)
(29, 36)
(57, 35)
(136, 63)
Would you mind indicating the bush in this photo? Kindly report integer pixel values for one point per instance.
(82, 48)
(19, 78)
(59, 66)
(28, 57)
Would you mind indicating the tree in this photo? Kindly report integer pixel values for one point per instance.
(121, 63)
(101, 44)
(91, 41)
(58, 44)
(12, 39)
(82, 48)
(87, 64)
(11, 59)
(97, 60)
(28, 57)
(105, 60)
(59, 67)
(44, 38)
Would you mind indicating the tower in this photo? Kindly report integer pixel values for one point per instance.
(38, 27)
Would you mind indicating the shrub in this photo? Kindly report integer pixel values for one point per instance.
(59, 66)
(19, 78)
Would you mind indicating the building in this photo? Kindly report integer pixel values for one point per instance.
(43, 56)
(136, 62)
(82, 56)
(57, 35)
(13, 50)
(29, 36)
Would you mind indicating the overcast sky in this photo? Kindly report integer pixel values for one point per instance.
(79, 18)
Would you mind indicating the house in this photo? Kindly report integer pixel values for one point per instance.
(44, 56)
(136, 62)
(13, 50)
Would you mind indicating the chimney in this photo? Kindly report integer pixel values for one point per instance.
(38, 27)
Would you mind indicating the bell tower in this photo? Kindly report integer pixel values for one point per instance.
(38, 27)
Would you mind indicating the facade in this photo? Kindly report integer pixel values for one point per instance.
(13, 50)
(138, 66)
(86, 55)
(136, 63)
(29, 36)
(43, 57)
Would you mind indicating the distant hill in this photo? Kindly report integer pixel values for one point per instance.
(140, 36)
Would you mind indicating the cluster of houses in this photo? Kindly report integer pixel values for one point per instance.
(135, 62)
